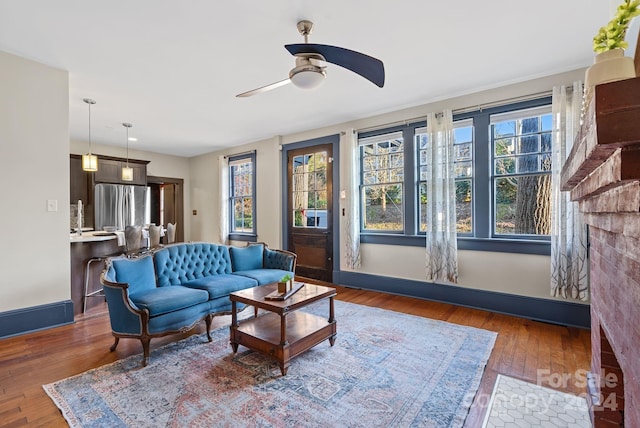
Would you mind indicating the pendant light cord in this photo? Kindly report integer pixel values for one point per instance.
(127, 147)
(90, 128)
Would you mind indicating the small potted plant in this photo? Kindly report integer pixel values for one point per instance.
(610, 63)
(285, 284)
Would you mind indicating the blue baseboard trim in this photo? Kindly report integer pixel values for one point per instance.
(27, 320)
(546, 310)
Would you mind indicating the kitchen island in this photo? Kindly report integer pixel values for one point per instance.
(89, 245)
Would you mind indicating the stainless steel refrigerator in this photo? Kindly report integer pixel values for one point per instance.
(121, 205)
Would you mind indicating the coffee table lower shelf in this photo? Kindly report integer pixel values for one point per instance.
(264, 333)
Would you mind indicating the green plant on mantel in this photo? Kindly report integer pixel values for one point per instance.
(613, 34)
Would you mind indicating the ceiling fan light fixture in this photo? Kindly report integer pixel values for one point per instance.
(307, 77)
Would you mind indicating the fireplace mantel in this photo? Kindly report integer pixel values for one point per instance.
(602, 173)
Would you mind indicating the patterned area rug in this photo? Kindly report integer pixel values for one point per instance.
(385, 369)
(518, 403)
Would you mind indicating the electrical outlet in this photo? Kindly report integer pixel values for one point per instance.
(52, 205)
(195, 212)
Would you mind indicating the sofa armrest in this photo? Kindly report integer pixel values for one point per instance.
(279, 259)
(125, 317)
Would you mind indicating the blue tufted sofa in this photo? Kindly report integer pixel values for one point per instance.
(173, 288)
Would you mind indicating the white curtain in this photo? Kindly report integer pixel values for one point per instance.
(349, 142)
(223, 167)
(442, 247)
(569, 262)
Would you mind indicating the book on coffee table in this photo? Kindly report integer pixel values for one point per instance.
(276, 295)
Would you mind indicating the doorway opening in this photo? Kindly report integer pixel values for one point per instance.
(167, 203)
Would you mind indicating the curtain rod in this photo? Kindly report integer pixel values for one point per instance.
(478, 107)
(249, 152)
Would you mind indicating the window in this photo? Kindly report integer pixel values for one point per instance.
(309, 190)
(521, 172)
(502, 164)
(463, 169)
(242, 197)
(382, 182)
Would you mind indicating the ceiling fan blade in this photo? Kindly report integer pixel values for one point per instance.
(264, 88)
(366, 66)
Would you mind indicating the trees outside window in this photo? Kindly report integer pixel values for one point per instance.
(502, 164)
(463, 168)
(382, 182)
(522, 172)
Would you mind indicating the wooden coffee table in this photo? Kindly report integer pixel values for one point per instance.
(283, 332)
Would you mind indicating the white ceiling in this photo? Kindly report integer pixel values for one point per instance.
(173, 68)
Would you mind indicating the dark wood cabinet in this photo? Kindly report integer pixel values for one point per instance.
(110, 171)
(80, 180)
(81, 188)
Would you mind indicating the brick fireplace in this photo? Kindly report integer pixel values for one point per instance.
(603, 174)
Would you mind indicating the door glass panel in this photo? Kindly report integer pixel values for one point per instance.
(309, 179)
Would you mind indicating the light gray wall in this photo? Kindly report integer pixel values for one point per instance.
(34, 148)
(205, 192)
(526, 275)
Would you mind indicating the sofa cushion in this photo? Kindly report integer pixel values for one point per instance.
(163, 300)
(246, 258)
(180, 263)
(138, 273)
(264, 276)
(221, 285)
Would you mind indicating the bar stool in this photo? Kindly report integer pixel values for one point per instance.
(87, 272)
(171, 233)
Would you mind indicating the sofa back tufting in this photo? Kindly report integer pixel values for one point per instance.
(178, 264)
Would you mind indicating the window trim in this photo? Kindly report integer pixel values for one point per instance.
(482, 210)
(235, 235)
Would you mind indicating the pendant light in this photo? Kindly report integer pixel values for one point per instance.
(89, 161)
(127, 171)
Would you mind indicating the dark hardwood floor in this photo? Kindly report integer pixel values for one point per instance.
(523, 347)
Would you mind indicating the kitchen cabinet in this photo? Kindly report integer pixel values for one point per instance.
(110, 171)
(81, 188)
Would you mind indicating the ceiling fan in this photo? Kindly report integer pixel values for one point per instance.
(312, 59)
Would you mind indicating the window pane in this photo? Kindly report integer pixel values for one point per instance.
(423, 207)
(523, 205)
(241, 195)
(529, 144)
(383, 207)
(530, 124)
(546, 142)
(463, 134)
(504, 147)
(382, 177)
(462, 151)
(462, 169)
(505, 166)
(504, 129)
(464, 223)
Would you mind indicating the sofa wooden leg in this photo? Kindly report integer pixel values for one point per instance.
(145, 350)
(113, 347)
(208, 319)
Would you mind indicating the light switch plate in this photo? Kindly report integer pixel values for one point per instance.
(52, 205)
